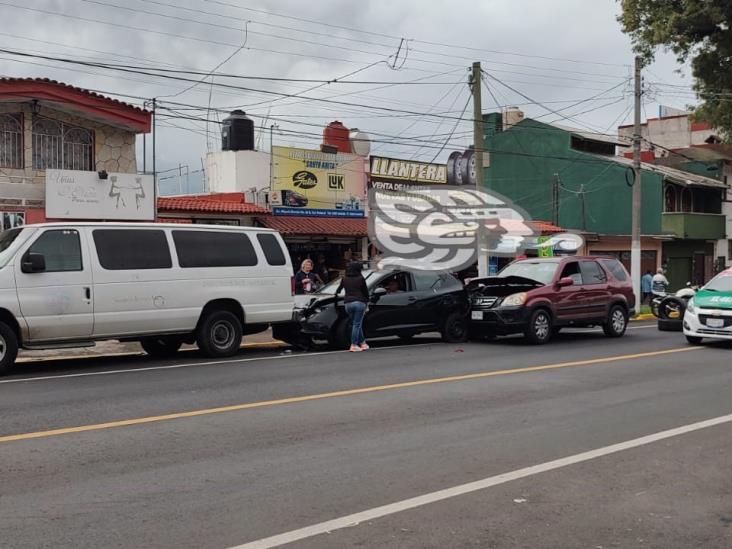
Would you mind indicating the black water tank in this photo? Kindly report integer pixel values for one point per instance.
(237, 132)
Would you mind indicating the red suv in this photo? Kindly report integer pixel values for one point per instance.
(537, 297)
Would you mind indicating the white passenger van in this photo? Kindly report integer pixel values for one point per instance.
(70, 284)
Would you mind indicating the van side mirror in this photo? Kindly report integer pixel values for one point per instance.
(33, 263)
(565, 281)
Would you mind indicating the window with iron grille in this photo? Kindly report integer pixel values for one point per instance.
(11, 141)
(62, 147)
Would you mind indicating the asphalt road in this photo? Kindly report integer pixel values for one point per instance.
(129, 452)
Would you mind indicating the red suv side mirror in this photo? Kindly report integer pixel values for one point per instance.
(565, 281)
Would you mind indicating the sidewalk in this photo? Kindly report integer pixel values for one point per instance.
(115, 348)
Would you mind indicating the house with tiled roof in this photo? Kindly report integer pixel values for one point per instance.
(45, 124)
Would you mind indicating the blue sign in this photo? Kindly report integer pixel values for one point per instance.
(492, 266)
(316, 212)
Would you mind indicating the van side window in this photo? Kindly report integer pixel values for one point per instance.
(132, 249)
(61, 249)
(272, 249)
(214, 249)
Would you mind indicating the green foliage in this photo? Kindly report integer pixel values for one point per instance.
(697, 31)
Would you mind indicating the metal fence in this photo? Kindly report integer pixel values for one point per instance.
(11, 141)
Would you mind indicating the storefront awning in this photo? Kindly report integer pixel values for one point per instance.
(316, 226)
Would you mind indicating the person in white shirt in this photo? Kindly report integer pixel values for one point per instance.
(659, 285)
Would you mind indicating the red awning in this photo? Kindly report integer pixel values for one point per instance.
(224, 203)
(316, 226)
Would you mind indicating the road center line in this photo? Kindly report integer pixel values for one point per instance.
(462, 489)
(333, 394)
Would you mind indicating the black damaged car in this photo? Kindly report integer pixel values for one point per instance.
(402, 303)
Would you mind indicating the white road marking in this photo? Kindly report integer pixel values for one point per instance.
(210, 363)
(462, 489)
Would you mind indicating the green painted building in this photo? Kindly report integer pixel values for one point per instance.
(574, 179)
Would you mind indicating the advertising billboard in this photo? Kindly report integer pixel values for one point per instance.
(392, 174)
(317, 184)
(72, 194)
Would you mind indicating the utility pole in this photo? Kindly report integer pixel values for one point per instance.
(635, 244)
(271, 157)
(154, 165)
(478, 158)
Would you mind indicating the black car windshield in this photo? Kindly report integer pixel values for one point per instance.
(721, 283)
(541, 271)
(331, 287)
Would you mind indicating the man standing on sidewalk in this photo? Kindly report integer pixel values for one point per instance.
(646, 287)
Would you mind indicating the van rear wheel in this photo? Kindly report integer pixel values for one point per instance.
(8, 348)
(219, 334)
(162, 346)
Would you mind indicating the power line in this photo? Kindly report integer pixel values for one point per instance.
(426, 42)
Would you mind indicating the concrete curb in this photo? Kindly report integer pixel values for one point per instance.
(645, 316)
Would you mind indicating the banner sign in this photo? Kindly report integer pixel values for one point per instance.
(72, 194)
(316, 184)
(406, 170)
(316, 212)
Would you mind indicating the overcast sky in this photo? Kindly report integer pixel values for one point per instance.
(555, 52)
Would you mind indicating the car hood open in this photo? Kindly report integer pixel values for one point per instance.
(500, 286)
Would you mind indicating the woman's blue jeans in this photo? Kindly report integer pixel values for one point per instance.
(355, 311)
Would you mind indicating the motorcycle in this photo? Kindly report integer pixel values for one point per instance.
(669, 308)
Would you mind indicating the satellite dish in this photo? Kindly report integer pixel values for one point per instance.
(360, 142)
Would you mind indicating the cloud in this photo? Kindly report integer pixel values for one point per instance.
(527, 44)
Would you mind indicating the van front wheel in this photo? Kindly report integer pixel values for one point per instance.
(161, 347)
(219, 334)
(8, 348)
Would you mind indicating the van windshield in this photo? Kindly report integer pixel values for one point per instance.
(7, 239)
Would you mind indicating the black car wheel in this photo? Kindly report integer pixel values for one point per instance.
(539, 330)
(694, 340)
(162, 346)
(455, 328)
(8, 348)
(219, 334)
(617, 321)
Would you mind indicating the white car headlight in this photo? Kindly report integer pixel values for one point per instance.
(515, 300)
(690, 305)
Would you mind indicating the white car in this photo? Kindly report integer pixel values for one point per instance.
(709, 313)
(70, 284)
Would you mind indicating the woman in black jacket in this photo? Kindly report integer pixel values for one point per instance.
(356, 298)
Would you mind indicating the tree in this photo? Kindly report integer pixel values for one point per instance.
(698, 31)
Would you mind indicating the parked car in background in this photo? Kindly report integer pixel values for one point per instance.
(709, 313)
(402, 304)
(537, 297)
(70, 284)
